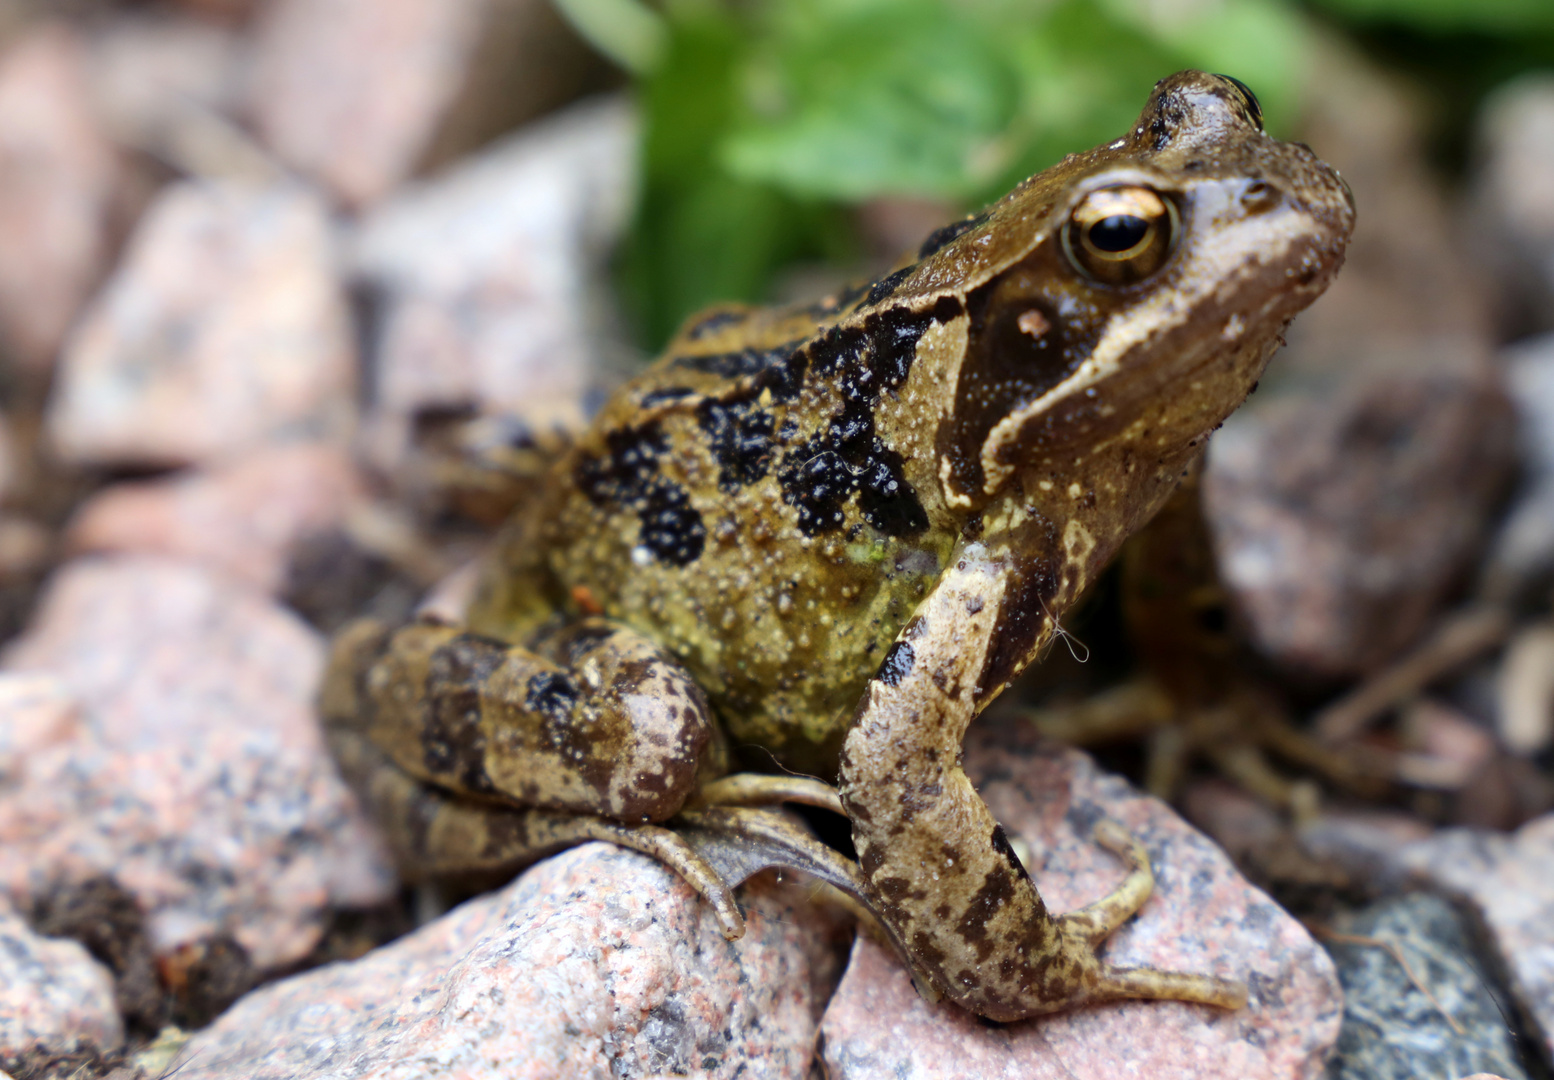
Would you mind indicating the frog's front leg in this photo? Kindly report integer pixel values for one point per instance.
(938, 868)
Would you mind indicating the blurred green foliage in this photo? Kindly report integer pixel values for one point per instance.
(766, 120)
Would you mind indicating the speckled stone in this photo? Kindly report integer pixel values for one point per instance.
(224, 324)
(57, 189)
(362, 93)
(486, 273)
(1507, 882)
(36, 711)
(242, 518)
(1342, 520)
(1390, 1026)
(596, 963)
(1202, 917)
(54, 998)
(199, 782)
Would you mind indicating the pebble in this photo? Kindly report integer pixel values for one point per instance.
(1342, 520)
(54, 998)
(225, 323)
(243, 517)
(198, 783)
(1523, 548)
(38, 711)
(1202, 917)
(57, 191)
(1390, 1026)
(361, 94)
(1512, 200)
(485, 275)
(171, 87)
(598, 962)
(1506, 883)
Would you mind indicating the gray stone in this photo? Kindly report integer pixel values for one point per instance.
(1513, 201)
(1391, 1030)
(1507, 884)
(361, 94)
(489, 276)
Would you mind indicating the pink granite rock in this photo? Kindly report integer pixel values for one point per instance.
(225, 323)
(170, 86)
(58, 173)
(36, 711)
(241, 518)
(1508, 882)
(54, 998)
(1342, 521)
(199, 782)
(488, 274)
(599, 962)
(1203, 917)
(361, 93)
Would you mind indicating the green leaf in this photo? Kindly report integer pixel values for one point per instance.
(1507, 17)
(627, 31)
(855, 101)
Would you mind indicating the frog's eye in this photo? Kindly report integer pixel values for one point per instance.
(1120, 235)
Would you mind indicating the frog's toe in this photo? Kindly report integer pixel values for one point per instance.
(1116, 983)
(1095, 922)
(755, 789)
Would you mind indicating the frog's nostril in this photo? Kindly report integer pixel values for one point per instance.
(1259, 197)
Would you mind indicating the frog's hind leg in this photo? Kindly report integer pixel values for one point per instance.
(435, 834)
(590, 717)
(1093, 923)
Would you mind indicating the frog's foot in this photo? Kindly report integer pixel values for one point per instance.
(435, 834)
(740, 841)
(1085, 929)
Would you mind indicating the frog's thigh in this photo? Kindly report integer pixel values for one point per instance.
(593, 718)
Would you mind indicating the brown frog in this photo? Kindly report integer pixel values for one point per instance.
(836, 532)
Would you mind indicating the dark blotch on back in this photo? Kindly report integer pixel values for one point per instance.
(887, 285)
(846, 457)
(715, 321)
(739, 435)
(942, 236)
(734, 365)
(628, 476)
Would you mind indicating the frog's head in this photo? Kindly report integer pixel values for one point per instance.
(1132, 295)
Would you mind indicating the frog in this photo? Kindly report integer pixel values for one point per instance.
(821, 538)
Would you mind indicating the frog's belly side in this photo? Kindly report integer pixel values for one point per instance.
(781, 630)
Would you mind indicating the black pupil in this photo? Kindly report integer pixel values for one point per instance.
(1118, 232)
